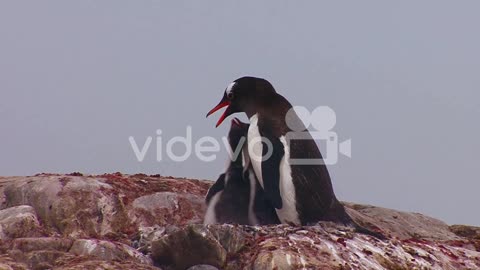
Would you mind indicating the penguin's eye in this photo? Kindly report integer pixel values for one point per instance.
(230, 95)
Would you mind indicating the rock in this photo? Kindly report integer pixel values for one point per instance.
(469, 232)
(163, 208)
(40, 259)
(19, 221)
(284, 259)
(42, 243)
(317, 248)
(103, 265)
(230, 237)
(108, 206)
(72, 206)
(400, 224)
(107, 251)
(38, 192)
(8, 263)
(5, 267)
(39, 253)
(202, 267)
(187, 247)
(210, 244)
(147, 235)
(116, 221)
(296, 249)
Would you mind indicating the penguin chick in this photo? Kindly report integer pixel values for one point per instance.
(236, 197)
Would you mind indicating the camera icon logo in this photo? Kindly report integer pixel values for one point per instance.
(323, 120)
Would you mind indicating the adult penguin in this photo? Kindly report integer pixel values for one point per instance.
(301, 194)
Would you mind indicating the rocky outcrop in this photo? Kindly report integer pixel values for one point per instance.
(106, 222)
(116, 221)
(19, 221)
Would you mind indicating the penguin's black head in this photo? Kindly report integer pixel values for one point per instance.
(237, 137)
(245, 94)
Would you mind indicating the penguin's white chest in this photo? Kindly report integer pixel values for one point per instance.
(255, 147)
(288, 213)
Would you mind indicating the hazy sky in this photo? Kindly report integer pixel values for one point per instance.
(77, 78)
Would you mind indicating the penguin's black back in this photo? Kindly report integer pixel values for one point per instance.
(316, 200)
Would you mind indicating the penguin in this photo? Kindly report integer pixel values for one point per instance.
(261, 211)
(300, 194)
(236, 197)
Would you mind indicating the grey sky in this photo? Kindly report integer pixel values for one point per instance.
(78, 78)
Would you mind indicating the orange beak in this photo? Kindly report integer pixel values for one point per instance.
(223, 103)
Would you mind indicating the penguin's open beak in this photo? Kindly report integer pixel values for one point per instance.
(223, 103)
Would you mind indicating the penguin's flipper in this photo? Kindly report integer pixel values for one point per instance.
(215, 188)
(271, 169)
